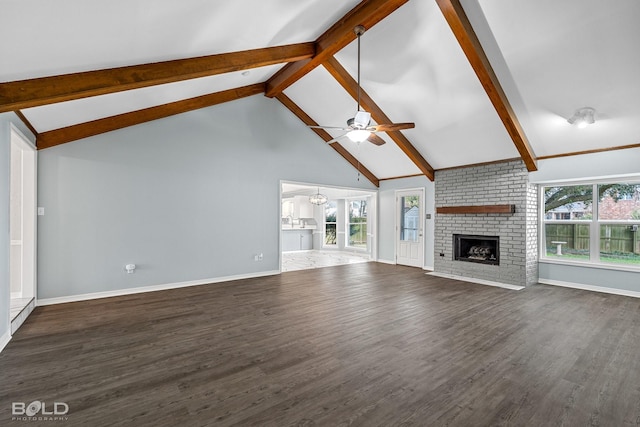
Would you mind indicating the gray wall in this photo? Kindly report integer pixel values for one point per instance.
(621, 163)
(190, 197)
(6, 119)
(588, 166)
(590, 276)
(387, 217)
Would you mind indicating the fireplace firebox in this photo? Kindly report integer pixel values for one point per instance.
(480, 249)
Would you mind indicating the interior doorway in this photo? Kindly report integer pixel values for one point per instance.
(22, 228)
(340, 228)
(410, 227)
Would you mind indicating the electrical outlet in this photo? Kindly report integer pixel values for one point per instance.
(258, 257)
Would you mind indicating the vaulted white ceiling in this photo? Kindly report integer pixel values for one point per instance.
(550, 58)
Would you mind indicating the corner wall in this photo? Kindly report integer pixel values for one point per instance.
(188, 198)
(387, 217)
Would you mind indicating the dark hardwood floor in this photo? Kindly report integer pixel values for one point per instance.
(364, 344)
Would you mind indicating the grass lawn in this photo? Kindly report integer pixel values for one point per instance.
(629, 259)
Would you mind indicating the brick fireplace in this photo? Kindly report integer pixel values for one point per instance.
(495, 201)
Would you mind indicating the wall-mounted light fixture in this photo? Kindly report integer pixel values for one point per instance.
(583, 117)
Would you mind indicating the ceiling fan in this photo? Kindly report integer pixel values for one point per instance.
(359, 127)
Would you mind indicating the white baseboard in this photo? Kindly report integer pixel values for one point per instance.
(386, 261)
(478, 281)
(593, 288)
(4, 340)
(153, 288)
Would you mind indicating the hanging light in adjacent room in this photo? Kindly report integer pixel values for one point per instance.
(318, 199)
(583, 117)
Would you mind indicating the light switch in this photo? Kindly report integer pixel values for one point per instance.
(40, 211)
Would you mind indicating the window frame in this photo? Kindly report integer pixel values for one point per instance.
(324, 225)
(348, 223)
(594, 223)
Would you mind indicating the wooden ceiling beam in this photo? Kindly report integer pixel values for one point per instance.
(46, 90)
(306, 119)
(351, 86)
(367, 13)
(27, 123)
(468, 40)
(108, 124)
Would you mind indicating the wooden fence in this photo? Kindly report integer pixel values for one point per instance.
(617, 238)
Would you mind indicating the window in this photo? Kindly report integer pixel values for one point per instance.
(619, 220)
(330, 211)
(358, 223)
(594, 222)
(409, 218)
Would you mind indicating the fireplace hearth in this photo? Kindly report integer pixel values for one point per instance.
(479, 249)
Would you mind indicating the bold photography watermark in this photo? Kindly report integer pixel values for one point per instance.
(39, 410)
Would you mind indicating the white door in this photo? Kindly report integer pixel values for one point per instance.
(410, 228)
(22, 209)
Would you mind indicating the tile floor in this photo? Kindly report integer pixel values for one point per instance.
(305, 260)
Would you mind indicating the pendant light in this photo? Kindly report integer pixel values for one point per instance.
(318, 199)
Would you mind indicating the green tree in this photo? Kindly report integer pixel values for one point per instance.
(411, 201)
(556, 197)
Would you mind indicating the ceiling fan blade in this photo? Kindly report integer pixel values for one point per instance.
(331, 141)
(329, 127)
(375, 139)
(392, 127)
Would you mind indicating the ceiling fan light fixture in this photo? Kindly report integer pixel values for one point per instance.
(362, 119)
(358, 135)
(318, 199)
(359, 128)
(583, 117)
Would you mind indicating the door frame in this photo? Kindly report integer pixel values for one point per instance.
(29, 206)
(372, 216)
(396, 238)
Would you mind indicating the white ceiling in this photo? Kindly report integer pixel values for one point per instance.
(551, 57)
(564, 55)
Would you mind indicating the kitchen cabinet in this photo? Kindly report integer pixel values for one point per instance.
(297, 207)
(306, 240)
(304, 209)
(297, 239)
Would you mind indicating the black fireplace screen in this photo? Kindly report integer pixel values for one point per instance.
(480, 249)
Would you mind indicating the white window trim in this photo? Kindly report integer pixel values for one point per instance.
(325, 245)
(594, 227)
(347, 224)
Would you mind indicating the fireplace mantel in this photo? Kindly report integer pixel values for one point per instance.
(480, 209)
